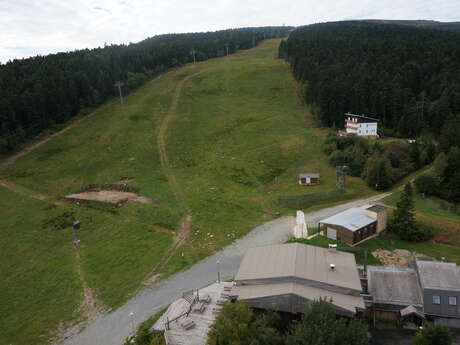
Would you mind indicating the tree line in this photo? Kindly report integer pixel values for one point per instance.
(406, 76)
(41, 92)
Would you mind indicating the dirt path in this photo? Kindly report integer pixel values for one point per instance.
(162, 137)
(179, 240)
(89, 310)
(10, 160)
(27, 192)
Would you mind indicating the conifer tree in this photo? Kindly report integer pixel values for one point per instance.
(403, 222)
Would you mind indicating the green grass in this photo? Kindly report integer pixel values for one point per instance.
(428, 211)
(239, 138)
(39, 284)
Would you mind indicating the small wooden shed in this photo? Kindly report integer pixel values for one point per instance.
(355, 224)
(308, 179)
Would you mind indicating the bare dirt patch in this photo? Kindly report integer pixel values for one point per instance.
(110, 196)
(397, 257)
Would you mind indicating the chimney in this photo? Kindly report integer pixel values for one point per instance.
(332, 267)
(332, 247)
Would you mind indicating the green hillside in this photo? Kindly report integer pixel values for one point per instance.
(214, 144)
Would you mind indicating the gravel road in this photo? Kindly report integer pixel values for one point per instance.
(113, 328)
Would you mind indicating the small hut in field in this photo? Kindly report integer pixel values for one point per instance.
(310, 179)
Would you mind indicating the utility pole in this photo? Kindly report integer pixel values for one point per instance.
(340, 176)
(75, 227)
(226, 47)
(193, 51)
(218, 271)
(253, 41)
(119, 84)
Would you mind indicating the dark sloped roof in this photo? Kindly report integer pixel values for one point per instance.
(300, 261)
(248, 292)
(394, 285)
(362, 118)
(377, 208)
(439, 275)
(309, 175)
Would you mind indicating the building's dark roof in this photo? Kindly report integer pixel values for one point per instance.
(377, 208)
(439, 275)
(394, 285)
(249, 292)
(309, 175)
(300, 261)
(362, 118)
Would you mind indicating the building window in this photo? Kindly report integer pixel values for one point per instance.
(452, 300)
(436, 299)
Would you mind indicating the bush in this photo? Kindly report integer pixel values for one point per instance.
(433, 335)
(426, 184)
(378, 172)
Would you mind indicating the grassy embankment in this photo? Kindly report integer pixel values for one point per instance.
(235, 140)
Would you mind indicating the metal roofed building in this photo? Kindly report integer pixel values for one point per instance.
(395, 292)
(394, 287)
(355, 224)
(440, 283)
(289, 277)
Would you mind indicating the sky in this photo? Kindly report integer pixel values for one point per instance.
(40, 27)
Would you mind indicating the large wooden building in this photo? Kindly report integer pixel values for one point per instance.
(289, 277)
(355, 224)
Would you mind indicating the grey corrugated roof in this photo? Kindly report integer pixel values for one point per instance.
(439, 275)
(302, 261)
(248, 292)
(394, 285)
(377, 208)
(309, 175)
(353, 219)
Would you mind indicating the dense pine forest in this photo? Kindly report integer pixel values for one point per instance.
(407, 76)
(41, 92)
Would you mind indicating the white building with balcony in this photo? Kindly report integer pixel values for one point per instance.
(360, 125)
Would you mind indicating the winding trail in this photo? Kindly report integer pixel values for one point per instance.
(162, 136)
(113, 328)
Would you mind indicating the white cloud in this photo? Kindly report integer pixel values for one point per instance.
(31, 27)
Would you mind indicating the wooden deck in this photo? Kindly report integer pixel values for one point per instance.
(177, 334)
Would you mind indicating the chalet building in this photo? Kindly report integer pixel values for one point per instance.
(429, 291)
(355, 224)
(308, 179)
(440, 285)
(289, 277)
(395, 295)
(360, 125)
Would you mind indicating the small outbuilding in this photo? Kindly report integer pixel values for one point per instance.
(309, 179)
(355, 224)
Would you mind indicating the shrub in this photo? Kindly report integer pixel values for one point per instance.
(426, 184)
(433, 335)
